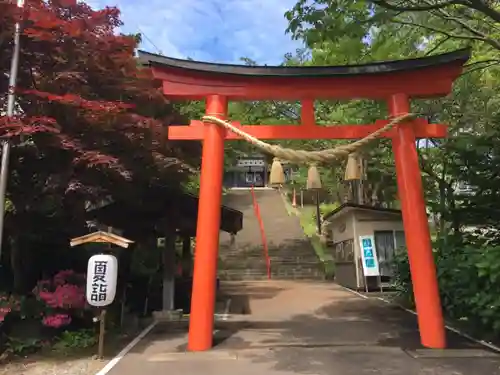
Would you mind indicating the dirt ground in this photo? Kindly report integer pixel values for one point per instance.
(81, 362)
(42, 366)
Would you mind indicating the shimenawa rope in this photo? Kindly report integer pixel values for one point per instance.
(303, 156)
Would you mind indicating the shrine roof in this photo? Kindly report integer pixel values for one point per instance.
(159, 208)
(345, 207)
(381, 67)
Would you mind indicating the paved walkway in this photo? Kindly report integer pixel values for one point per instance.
(308, 328)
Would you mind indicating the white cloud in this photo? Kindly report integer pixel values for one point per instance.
(210, 30)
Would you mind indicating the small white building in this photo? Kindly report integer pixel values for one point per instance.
(350, 221)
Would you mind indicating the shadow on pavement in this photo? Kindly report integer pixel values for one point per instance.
(240, 300)
(347, 335)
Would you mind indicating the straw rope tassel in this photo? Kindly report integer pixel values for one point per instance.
(353, 168)
(277, 175)
(313, 178)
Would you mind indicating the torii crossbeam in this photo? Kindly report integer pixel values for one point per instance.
(394, 82)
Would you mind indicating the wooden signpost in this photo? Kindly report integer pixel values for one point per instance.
(102, 276)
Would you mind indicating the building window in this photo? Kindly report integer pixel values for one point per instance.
(386, 243)
(344, 251)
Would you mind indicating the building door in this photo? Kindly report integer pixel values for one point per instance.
(399, 239)
(258, 179)
(249, 178)
(384, 244)
(254, 179)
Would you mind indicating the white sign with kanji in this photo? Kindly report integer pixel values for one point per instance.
(102, 275)
(250, 163)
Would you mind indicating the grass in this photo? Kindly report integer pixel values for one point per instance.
(308, 220)
(309, 225)
(324, 257)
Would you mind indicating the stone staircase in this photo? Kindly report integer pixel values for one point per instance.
(291, 253)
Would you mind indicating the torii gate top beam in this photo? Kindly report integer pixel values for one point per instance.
(422, 77)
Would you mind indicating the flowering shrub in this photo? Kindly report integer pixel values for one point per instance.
(56, 320)
(8, 304)
(63, 296)
(69, 277)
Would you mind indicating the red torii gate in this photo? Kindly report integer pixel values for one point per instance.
(393, 81)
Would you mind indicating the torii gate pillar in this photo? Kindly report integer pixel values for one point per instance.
(207, 230)
(413, 207)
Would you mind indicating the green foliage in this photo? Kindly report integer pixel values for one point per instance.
(308, 218)
(70, 340)
(309, 225)
(468, 283)
(325, 208)
(325, 258)
(192, 185)
(402, 278)
(23, 346)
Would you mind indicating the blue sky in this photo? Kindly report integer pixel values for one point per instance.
(209, 30)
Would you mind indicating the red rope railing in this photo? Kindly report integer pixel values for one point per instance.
(262, 233)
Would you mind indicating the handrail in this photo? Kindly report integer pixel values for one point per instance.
(262, 233)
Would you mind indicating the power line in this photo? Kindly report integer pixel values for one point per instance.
(149, 40)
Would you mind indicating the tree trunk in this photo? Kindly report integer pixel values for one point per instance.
(18, 266)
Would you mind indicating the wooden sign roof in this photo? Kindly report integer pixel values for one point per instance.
(101, 237)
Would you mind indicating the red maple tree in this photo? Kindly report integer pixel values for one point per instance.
(89, 120)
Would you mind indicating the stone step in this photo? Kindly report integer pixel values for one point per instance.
(242, 274)
(262, 263)
(279, 268)
(261, 255)
(291, 253)
(271, 252)
(296, 271)
(275, 269)
(298, 277)
(262, 275)
(308, 258)
(238, 277)
(275, 262)
(273, 277)
(271, 247)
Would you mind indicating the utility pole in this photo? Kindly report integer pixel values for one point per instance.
(11, 106)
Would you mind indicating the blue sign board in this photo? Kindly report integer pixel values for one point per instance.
(368, 252)
(369, 256)
(370, 263)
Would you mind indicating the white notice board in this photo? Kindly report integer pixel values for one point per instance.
(369, 256)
